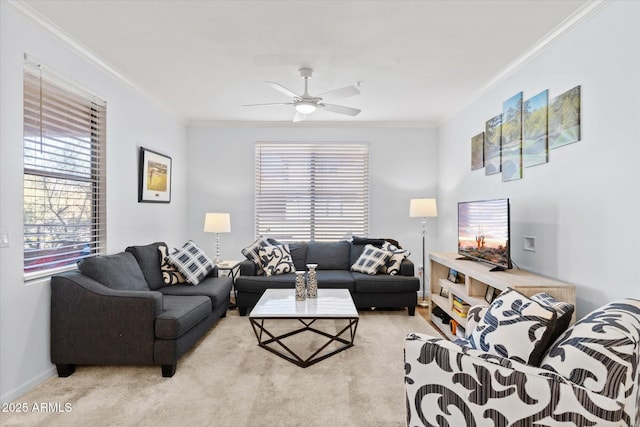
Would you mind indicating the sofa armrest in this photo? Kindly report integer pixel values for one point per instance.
(248, 268)
(449, 385)
(407, 267)
(93, 324)
(214, 273)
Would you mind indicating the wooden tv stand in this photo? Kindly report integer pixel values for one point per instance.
(477, 278)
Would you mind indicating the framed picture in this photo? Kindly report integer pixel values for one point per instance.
(444, 292)
(453, 275)
(154, 177)
(489, 295)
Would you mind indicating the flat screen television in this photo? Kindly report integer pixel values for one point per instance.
(484, 232)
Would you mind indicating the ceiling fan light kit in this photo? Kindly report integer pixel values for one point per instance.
(306, 104)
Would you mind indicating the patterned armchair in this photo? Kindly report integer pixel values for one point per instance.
(589, 376)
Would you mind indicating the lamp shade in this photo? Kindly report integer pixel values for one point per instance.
(217, 223)
(422, 208)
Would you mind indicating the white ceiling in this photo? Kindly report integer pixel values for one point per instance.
(418, 61)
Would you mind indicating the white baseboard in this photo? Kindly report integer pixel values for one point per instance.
(14, 394)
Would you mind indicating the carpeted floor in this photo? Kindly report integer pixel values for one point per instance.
(227, 380)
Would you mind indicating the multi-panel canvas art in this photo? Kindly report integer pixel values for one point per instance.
(477, 151)
(492, 134)
(524, 133)
(564, 118)
(534, 130)
(512, 138)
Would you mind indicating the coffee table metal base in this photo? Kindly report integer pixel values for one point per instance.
(344, 336)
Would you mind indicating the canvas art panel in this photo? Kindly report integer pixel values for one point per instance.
(477, 151)
(534, 130)
(511, 140)
(154, 177)
(492, 154)
(564, 118)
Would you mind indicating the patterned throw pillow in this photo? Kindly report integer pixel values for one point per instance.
(252, 252)
(170, 274)
(564, 311)
(192, 262)
(371, 260)
(392, 267)
(276, 259)
(514, 327)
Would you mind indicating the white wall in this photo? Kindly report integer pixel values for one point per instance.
(403, 164)
(131, 121)
(584, 205)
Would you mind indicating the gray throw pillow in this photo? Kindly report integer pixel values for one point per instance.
(148, 258)
(120, 271)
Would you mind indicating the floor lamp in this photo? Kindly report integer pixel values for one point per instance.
(217, 223)
(423, 208)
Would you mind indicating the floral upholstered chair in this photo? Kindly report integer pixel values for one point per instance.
(588, 376)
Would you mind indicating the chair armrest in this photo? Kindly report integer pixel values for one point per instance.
(407, 267)
(448, 384)
(91, 323)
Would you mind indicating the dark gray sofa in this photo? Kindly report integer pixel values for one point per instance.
(120, 312)
(334, 261)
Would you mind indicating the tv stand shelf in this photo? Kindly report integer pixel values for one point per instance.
(477, 278)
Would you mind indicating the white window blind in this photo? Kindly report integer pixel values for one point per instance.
(64, 174)
(312, 191)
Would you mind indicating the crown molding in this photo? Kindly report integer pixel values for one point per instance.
(309, 124)
(84, 52)
(584, 13)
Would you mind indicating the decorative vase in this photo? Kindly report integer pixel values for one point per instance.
(300, 286)
(312, 281)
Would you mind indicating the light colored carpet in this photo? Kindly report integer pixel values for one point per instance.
(226, 379)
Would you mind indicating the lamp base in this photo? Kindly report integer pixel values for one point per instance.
(424, 302)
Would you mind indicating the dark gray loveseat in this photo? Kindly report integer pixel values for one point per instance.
(334, 261)
(120, 312)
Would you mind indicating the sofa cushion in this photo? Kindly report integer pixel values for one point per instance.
(329, 255)
(119, 271)
(170, 274)
(192, 262)
(383, 283)
(276, 259)
(335, 279)
(599, 352)
(392, 266)
(217, 289)
(180, 314)
(258, 284)
(371, 260)
(514, 327)
(564, 311)
(149, 260)
(298, 252)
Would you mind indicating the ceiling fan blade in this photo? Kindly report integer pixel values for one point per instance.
(270, 103)
(341, 109)
(299, 117)
(282, 89)
(343, 92)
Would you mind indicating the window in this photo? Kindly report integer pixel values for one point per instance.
(64, 166)
(312, 191)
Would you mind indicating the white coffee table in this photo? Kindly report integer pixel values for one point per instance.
(280, 304)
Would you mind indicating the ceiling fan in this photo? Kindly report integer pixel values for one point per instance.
(306, 104)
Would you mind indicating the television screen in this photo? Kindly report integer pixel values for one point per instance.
(483, 231)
